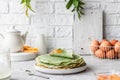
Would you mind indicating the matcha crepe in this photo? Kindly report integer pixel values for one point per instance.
(60, 61)
(62, 53)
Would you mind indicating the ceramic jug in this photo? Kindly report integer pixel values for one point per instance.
(13, 39)
(40, 43)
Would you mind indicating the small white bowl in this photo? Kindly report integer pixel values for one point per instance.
(22, 56)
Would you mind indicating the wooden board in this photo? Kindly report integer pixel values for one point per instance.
(88, 28)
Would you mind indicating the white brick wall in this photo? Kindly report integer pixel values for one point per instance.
(15, 7)
(52, 19)
(3, 6)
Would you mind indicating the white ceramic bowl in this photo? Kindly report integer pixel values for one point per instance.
(22, 56)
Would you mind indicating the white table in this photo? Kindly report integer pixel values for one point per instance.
(94, 65)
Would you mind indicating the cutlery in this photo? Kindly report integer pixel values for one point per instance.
(31, 74)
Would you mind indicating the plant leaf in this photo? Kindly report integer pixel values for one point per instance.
(29, 6)
(28, 1)
(26, 12)
(69, 4)
(73, 9)
(78, 6)
(75, 3)
(81, 7)
(81, 3)
(81, 13)
(23, 1)
(79, 16)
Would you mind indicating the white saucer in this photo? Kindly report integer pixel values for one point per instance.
(60, 71)
(22, 56)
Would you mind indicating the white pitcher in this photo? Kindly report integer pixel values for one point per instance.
(40, 43)
(13, 40)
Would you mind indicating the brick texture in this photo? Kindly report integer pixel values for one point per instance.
(3, 6)
(55, 21)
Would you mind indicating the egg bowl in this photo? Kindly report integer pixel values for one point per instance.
(105, 52)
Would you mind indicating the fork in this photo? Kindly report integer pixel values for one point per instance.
(31, 74)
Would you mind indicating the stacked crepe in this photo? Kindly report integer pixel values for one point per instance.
(60, 59)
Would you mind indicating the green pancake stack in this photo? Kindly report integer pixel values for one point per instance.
(63, 60)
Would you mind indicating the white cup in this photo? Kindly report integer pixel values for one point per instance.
(5, 64)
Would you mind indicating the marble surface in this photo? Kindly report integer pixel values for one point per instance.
(95, 65)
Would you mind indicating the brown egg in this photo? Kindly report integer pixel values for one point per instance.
(111, 54)
(117, 47)
(100, 54)
(113, 42)
(105, 46)
(103, 40)
(95, 42)
(94, 45)
(118, 55)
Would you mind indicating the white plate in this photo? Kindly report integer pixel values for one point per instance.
(60, 71)
(22, 56)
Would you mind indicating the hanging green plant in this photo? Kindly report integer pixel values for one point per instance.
(27, 5)
(77, 6)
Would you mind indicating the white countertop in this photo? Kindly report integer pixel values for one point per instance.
(94, 65)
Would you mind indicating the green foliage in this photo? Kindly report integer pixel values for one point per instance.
(77, 6)
(27, 5)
